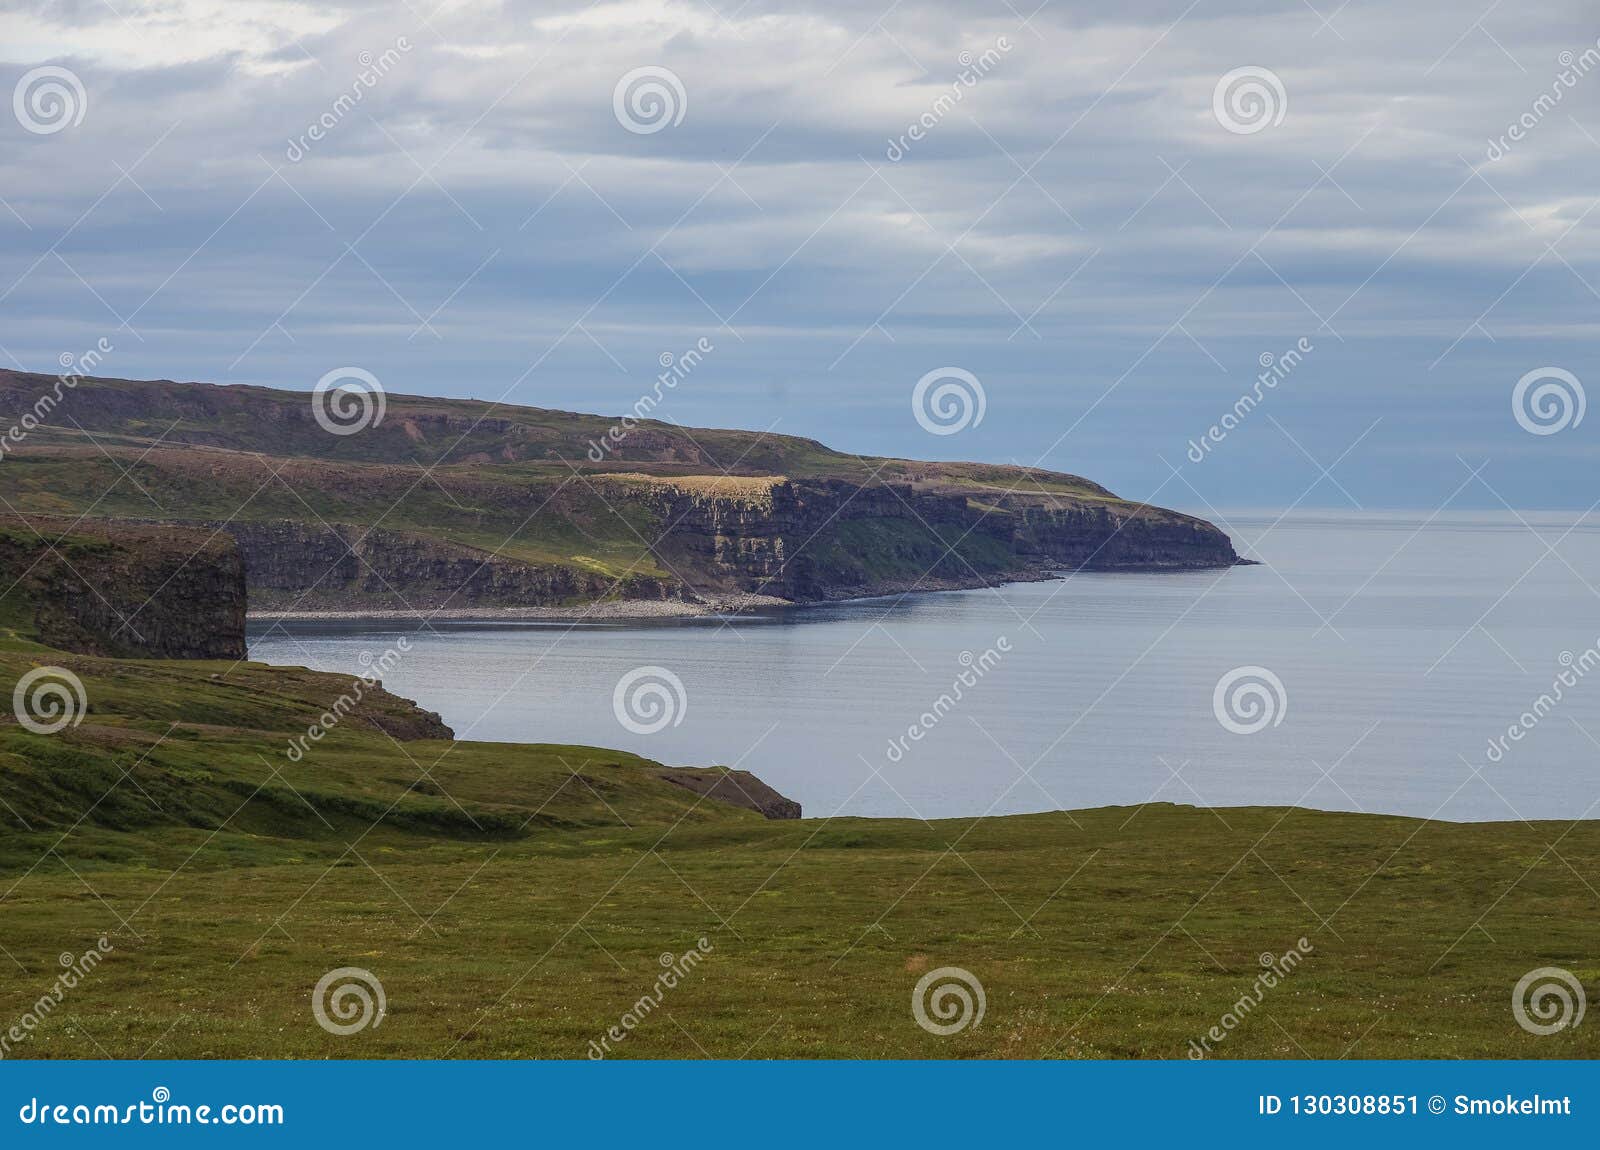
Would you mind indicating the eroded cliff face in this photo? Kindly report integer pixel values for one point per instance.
(124, 590)
(1107, 539)
(291, 564)
(805, 541)
(830, 539)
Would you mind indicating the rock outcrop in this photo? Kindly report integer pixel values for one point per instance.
(313, 566)
(806, 542)
(123, 590)
(734, 787)
(831, 539)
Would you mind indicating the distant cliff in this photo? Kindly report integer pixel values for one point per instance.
(830, 539)
(807, 543)
(462, 504)
(123, 590)
(318, 566)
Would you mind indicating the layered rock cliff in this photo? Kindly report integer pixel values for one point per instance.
(457, 504)
(802, 541)
(829, 539)
(123, 590)
(316, 566)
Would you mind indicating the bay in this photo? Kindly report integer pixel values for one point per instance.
(1405, 644)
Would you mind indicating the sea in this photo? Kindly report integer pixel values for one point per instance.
(1442, 666)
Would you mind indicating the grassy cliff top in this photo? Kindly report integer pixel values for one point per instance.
(158, 748)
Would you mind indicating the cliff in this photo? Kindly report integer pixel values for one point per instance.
(461, 504)
(123, 590)
(316, 566)
(830, 539)
(807, 542)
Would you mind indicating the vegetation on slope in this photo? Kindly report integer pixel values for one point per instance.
(513, 902)
(167, 753)
(663, 507)
(428, 431)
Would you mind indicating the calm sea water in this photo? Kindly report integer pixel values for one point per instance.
(1403, 647)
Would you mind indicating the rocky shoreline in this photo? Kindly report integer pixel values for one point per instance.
(606, 610)
(702, 607)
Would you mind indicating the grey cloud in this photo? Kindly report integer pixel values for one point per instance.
(1099, 292)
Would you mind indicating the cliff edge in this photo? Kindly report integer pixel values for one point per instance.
(122, 590)
(440, 504)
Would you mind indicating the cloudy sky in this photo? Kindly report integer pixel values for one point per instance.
(1109, 215)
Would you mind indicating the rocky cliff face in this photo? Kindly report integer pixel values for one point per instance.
(123, 590)
(1106, 539)
(831, 539)
(313, 567)
(803, 541)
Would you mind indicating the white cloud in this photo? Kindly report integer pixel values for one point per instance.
(165, 33)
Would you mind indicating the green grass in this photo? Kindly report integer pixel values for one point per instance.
(515, 513)
(818, 935)
(514, 901)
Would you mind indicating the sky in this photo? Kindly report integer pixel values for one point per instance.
(1069, 235)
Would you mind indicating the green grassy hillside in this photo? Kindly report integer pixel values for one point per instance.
(168, 753)
(429, 431)
(513, 902)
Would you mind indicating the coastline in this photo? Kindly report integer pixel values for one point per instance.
(637, 609)
(703, 607)
(605, 609)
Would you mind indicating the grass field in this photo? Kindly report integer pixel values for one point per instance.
(514, 901)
